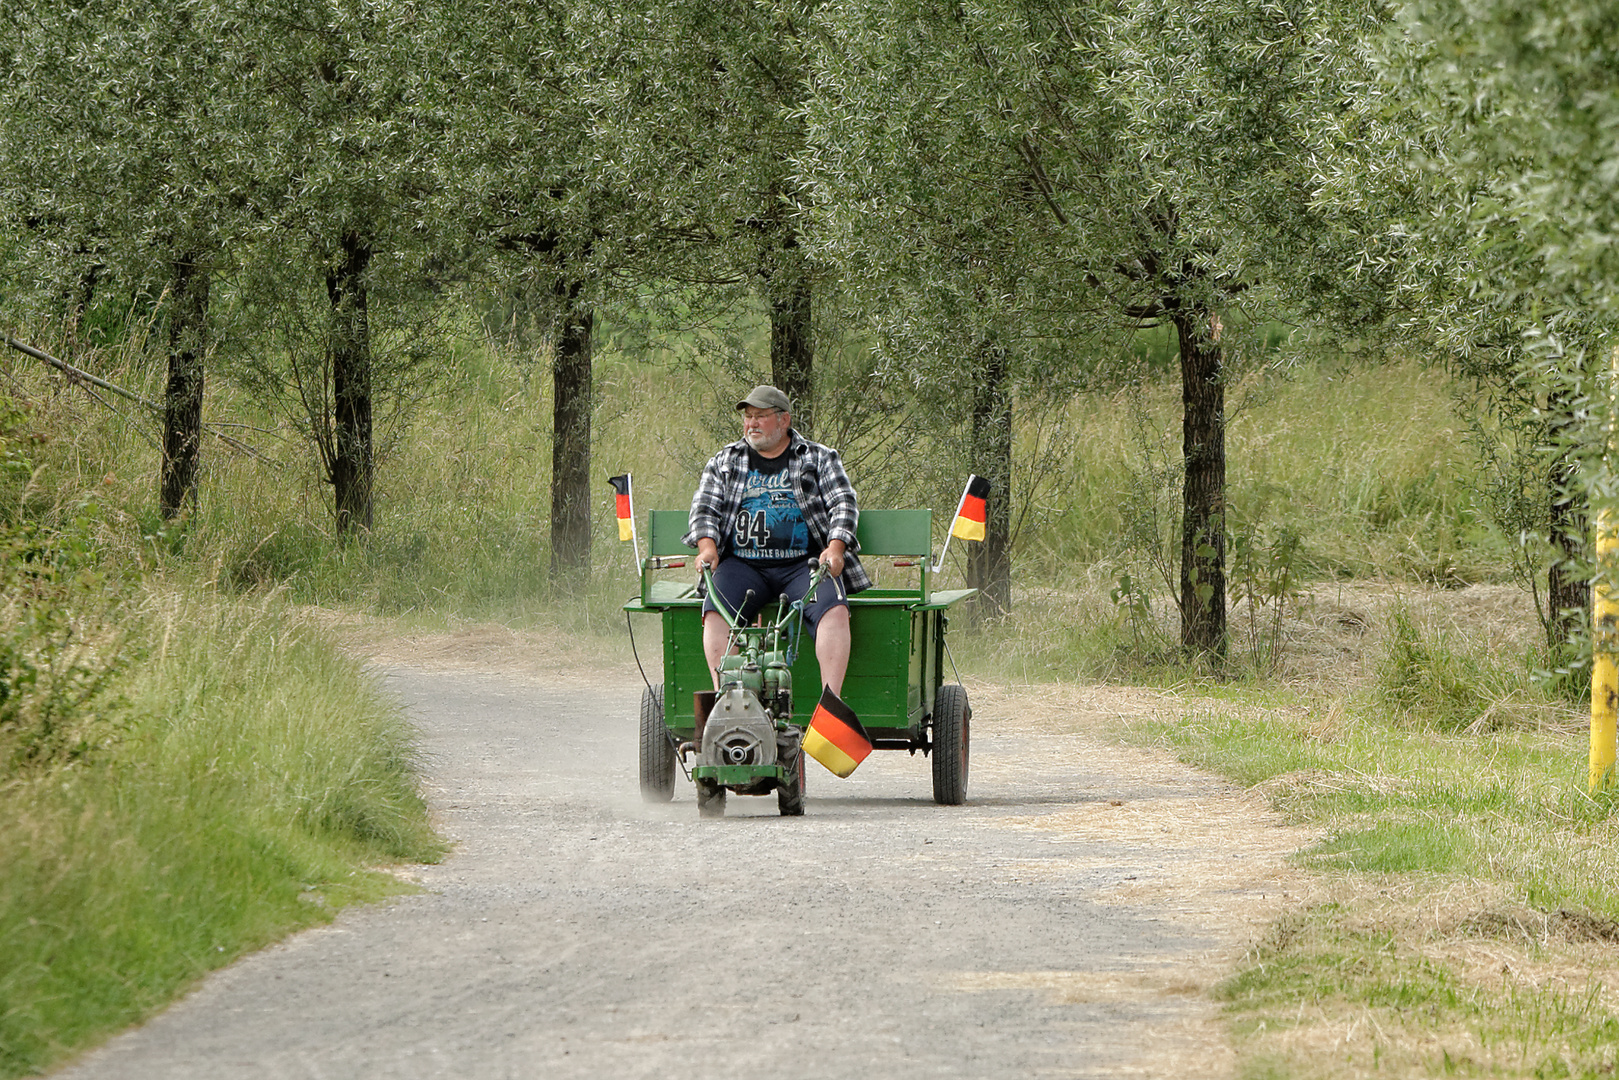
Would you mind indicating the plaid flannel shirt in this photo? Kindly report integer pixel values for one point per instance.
(825, 496)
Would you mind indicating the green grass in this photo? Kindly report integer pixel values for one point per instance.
(1509, 807)
(1368, 465)
(1398, 847)
(1413, 1014)
(259, 775)
(1451, 791)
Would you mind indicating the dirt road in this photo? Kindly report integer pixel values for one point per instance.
(1066, 922)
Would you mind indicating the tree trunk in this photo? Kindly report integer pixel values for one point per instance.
(989, 563)
(570, 441)
(79, 304)
(1568, 591)
(1203, 599)
(351, 464)
(792, 352)
(182, 397)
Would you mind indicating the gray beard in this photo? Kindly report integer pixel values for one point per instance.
(759, 444)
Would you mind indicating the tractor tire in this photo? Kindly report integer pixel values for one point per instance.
(710, 799)
(790, 797)
(657, 752)
(952, 737)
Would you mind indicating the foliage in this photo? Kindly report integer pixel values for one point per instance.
(259, 778)
(1264, 574)
(695, 120)
(59, 646)
(182, 779)
(124, 144)
(59, 651)
(1527, 88)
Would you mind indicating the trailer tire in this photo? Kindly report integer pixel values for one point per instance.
(952, 739)
(790, 797)
(710, 799)
(657, 752)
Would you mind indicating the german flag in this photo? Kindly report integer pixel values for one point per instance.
(835, 737)
(626, 513)
(971, 514)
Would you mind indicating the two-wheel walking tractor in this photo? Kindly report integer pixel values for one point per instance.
(746, 737)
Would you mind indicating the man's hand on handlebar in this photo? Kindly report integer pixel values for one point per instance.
(708, 554)
(832, 558)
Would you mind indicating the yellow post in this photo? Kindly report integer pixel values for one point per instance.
(1604, 625)
(1604, 668)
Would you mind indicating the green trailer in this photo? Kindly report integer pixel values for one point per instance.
(895, 680)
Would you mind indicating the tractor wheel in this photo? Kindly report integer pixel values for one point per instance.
(952, 724)
(790, 798)
(657, 753)
(710, 799)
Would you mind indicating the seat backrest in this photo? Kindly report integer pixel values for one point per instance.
(895, 532)
(664, 530)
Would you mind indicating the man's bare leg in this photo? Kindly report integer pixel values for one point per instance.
(832, 647)
(716, 636)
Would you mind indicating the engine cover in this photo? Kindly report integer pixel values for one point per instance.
(738, 732)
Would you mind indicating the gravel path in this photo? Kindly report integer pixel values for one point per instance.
(1063, 923)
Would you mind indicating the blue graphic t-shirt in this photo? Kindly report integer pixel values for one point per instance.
(770, 527)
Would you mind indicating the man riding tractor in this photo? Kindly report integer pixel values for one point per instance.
(768, 507)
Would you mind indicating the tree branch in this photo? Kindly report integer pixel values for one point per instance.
(79, 375)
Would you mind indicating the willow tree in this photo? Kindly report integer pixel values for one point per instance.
(698, 124)
(515, 176)
(1460, 205)
(344, 154)
(120, 136)
(1526, 98)
(1118, 156)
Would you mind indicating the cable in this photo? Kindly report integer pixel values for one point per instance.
(674, 744)
(948, 656)
(630, 626)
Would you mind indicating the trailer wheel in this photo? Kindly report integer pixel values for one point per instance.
(790, 797)
(710, 799)
(952, 732)
(657, 753)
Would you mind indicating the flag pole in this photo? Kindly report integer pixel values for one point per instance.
(635, 538)
(938, 567)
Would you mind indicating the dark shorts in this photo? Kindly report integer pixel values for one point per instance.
(733, 577)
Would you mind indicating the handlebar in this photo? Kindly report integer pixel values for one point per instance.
(818, 575)
(755, 639)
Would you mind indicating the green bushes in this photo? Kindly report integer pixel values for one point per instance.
(57, 657)
(58, 650)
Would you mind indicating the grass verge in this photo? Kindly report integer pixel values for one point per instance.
(1466, 921)
(257, 782)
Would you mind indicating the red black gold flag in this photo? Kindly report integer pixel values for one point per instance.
(626, 512)
(971, 514)
(835, 736)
